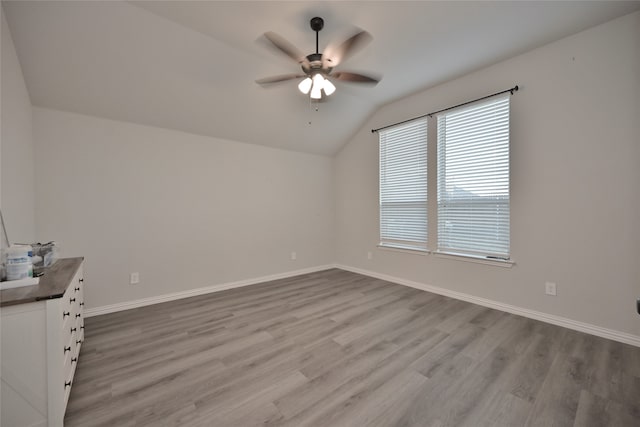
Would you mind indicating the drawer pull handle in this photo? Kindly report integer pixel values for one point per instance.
(78, 315)
(81, 304)
(81, 280)
(78, 342)
(67, 349)
(76, 289)
(65, 314)
(67, 384)
(75, 359)
(73, 330)
(82, 327)
(72, 300)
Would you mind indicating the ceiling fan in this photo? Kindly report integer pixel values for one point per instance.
(318, 67)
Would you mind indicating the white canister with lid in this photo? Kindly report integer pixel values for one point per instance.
(19, 265)
(17, 254)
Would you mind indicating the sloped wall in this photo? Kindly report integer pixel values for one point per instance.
(575, 171)
(17, 174)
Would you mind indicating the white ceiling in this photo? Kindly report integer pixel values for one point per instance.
(191, 66)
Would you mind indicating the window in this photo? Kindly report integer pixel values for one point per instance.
(403, 185)
(473, 180)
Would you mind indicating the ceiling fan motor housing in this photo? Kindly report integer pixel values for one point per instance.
(316, 23)
(315, 64)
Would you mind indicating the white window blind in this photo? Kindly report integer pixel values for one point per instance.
(403, 185)
(473, 180)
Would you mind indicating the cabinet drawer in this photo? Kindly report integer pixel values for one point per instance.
(68, 348)
(72, 299)
(76, 289)
(69, 367)
(68, 374)
(68, 323)
(80, 329)
(78, 338)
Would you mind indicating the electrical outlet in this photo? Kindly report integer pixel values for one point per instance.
(550, 288)
(294, 256)
(369, 255)
(134, 278)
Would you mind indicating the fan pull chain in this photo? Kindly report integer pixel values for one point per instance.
(311, 108)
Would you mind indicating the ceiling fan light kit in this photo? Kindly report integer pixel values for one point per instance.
(316, 86)
(317, 67)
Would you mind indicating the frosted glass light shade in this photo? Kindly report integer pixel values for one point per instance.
(305, 85)
(329, 88)
(318, 84)
(316, 93)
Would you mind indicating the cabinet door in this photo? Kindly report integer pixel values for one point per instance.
(24, 368)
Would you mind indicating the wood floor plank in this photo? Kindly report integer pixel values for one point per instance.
(386, 404)
(557, 400)
(454, 393)
(591, 411)
(503, 410)
(336, 375)
(335, 348)
(356, 388)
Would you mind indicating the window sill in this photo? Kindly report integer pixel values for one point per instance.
(404, 249)
(448, 255)
(476, 259)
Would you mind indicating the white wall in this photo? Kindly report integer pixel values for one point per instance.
(575, 167)
(17, 178)
(185, 211)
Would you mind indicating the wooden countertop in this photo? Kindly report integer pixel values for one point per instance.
(52, 284)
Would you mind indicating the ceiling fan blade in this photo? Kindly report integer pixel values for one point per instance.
(278, 79)
(335, 55)
(285, 47)
(346, 76)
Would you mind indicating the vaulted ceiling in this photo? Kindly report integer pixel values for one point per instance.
(192, 66)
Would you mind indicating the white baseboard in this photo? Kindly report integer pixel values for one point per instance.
(525, 312)
(112, 308)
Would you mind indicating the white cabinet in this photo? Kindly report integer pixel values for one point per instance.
(41, 342)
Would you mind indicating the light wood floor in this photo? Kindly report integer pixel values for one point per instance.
(340, 349)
